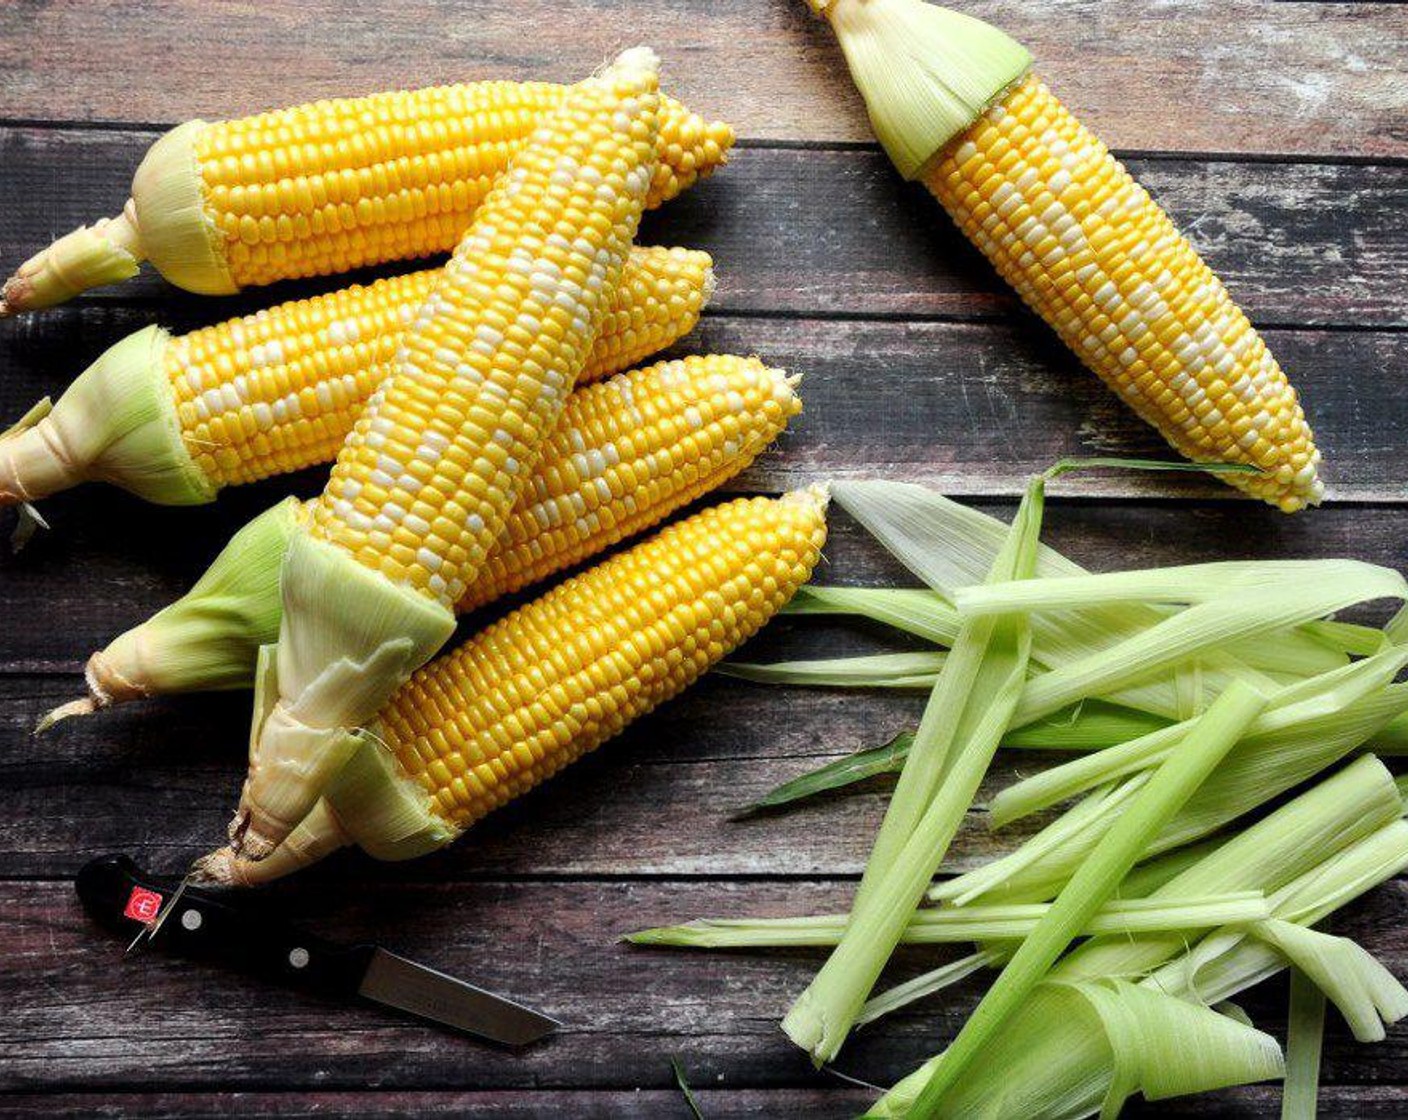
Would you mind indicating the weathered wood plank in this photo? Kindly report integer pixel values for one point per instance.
(80, 1017)
(637, 1104)
(160, 781)
(1337, 1102)
(1244, 76)
(822, 232)
(973, 408)
(112, 561)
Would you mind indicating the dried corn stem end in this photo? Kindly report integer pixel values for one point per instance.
(317, 836)
(554, 680)
(104, 253)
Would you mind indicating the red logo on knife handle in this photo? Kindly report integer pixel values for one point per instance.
(142, 905)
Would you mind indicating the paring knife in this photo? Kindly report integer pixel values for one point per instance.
(230, 929)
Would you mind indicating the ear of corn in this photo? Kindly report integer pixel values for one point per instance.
(175, 419)
(426, 480)
(555, 679)
(1082, 243)
(326, 187)
(627, 453)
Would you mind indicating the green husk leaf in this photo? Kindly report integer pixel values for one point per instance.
(958, 734)
(917, 671)
(1094, 812)
(914, 611)
(1183, 584)
(949, 546)
(1304, 1036)
(1201, 630)
(1094, 882)
(1254, 773)
(888, 758)
(926, 984)
(1091, 725)
(1046, 1065)
(691, 1102)
(1280, 853)
(1118, 1038)
(1315, 709)
(1365, 991)
(1119, 917)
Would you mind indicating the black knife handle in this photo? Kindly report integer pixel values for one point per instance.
(226, 927)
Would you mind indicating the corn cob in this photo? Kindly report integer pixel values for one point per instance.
(554, 680)
(1083, 244)
(626, 454)
(176, 419)
(326, 187)
(422, 488)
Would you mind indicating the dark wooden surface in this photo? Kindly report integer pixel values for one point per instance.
(1276, 133)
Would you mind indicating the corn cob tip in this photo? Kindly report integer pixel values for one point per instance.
(106, 687)
(817, 496)
(635, 60)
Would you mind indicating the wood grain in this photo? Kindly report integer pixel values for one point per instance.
(78, 1017)
(1337, 1102)
(800, 232)
(1240, 75)
(111, 561)
(973, 408)
(1273, 133)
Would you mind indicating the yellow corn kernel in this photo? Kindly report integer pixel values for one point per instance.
(426, 479)
(558, 677)
(1089, 251)
(326, 187)
(278, 390)
(627, 452)
(333, 185)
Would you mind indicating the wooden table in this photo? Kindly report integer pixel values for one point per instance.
(1277, 134)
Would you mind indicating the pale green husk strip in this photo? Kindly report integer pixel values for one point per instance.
(1119, 917)
(1182, 584)
(904, 671)
(924, 614)
(927, 983)
(1096, 880)
(1090, 727)
(1287, 844)
(1254, 773)
(1319, 709)
(1048, 1065)
(1304, 1034)
(949, 546)
(1202, 630)
(958, 734)
(1139, 883)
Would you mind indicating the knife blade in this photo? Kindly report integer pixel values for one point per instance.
(235, 929)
